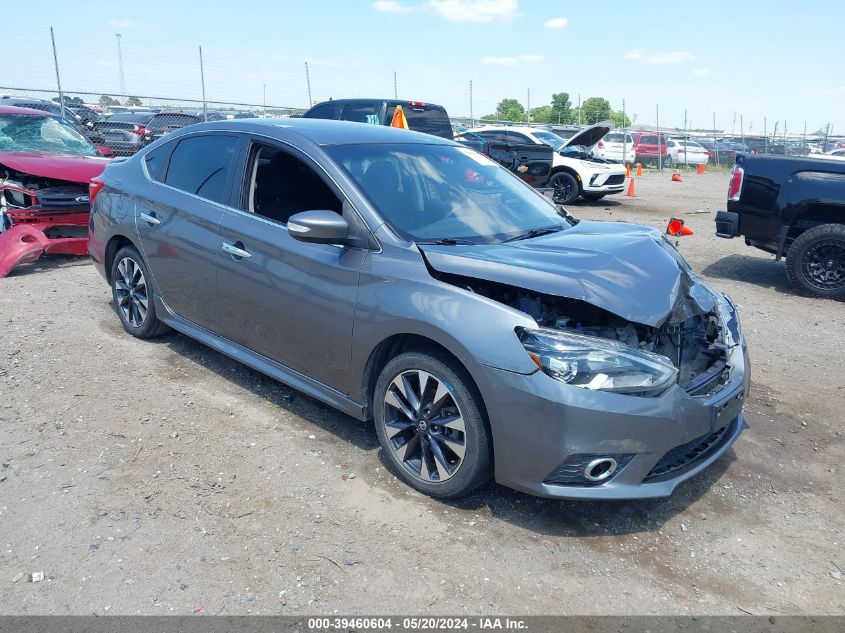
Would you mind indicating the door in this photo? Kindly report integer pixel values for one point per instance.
(178, 218)
(290, 301)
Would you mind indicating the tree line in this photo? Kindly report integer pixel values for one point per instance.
(559, 111)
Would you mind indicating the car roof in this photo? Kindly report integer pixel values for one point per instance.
(390, 102)
(29, 111)
(325, 131)
(512, 128)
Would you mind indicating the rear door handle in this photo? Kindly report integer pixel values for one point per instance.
(235, 250)
(150, 219)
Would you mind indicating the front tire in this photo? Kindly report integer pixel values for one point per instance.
(815, 263)
(566, 189)
(668, 162)
(431, 425)
(132, 296)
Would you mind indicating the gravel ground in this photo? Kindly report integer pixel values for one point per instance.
(163, 478)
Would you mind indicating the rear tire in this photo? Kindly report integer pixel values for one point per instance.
(133, 298)
(566, 189)
(667, 163)
(815, 263)
(431, 425)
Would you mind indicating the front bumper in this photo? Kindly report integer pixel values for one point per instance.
(604, 182)
(539, 424)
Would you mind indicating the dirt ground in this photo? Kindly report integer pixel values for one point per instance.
(164, 478)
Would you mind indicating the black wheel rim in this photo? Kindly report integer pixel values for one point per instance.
(823, 265)
(562, 189)
(130, 289)
(424, 425)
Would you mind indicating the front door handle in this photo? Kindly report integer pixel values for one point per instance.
(235, 250)
(150, 219)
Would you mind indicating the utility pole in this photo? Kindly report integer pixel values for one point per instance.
(733, 123)
(624, 135)
(659, 144)
(395, 90)
(58, 79)
(264, 100)
(528, 110)
(741, 130)
(308, 83)
(765, 136)
(471, 118)
(686, 137)
(120, 65)
(579, 109)
(202, 81)
(715, 141)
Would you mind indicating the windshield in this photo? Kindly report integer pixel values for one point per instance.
(441, 192)
(28, 133)
(549, 138)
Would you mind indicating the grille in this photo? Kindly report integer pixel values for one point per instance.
(571, 472)
(617, 179)
(687, 455)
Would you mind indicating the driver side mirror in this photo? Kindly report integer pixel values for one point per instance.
(319, 227)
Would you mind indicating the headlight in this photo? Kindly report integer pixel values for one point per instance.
(596, 363)
(729, 319)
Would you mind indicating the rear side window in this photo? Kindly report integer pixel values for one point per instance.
(322, 111)
(425, 119)
(201, 165)
(360, 113)
(155, 160)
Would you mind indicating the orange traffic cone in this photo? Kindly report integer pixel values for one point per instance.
(630, 191)
(627, 170)
(676, 177)
(639, 169)
(676, 228)
(399, 119)
(685, 230)
(700, 169)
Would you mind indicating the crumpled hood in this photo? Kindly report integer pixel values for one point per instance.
(626, 269)
(59, 166)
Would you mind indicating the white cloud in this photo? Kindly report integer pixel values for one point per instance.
(391, 6)
(509, 62)
(702, 72)
(556, 23)
(475, 10)
(673, 57)
(121, 24)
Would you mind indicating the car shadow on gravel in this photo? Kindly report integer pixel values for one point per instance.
(763, 272)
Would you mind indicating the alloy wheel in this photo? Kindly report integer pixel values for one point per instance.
(824, 264)
(424, 426)
(130, 288)
(562, 189)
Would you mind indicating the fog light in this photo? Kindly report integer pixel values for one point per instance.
(600, 469)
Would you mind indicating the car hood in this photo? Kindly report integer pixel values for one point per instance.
(626, 269)
(59, 166)
(591, 135)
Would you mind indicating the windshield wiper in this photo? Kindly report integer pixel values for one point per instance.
(534, 233)
(448, 241)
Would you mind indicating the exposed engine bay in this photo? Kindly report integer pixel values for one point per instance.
(695, 345)
(22, 191)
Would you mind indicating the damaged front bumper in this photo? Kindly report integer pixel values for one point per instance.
(547, 432)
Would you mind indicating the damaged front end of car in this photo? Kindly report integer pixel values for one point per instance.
(40, 215)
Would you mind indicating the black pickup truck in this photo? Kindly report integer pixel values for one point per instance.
(532, 163)
(792, 207)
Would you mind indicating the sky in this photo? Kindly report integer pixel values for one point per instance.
(740, 61)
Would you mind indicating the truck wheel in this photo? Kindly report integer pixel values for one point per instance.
(565, 186)
(815, 263)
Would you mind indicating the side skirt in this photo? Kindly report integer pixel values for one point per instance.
(265, 365)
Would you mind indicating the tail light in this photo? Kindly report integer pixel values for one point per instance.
(681, 150)
(140, 130)
(94, 187)
(735, 186)
(416, 104)
(600, 144)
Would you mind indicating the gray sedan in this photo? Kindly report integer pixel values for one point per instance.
(404, 278)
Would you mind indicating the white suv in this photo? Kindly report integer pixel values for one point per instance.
(575, 170)
(616, 146)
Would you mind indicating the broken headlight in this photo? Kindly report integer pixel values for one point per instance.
(596, 363)
(729, 319)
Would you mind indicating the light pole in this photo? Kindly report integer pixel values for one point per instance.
(120, 65)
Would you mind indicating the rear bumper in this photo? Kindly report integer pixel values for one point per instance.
(727, 224)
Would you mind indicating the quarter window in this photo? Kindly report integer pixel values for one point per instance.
(201, 165)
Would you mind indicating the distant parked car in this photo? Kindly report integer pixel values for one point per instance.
(652, 148)
(687, 152)
(126, 133)
(565, 132)
(422, 117)
(168, 121)
(67, 113)
(616, 146)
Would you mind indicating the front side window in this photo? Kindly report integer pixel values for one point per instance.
(201, 165)
(28, 133)
(280, 185)
(435, 192)
(550, 138)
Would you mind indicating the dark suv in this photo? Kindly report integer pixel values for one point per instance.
(421, 117)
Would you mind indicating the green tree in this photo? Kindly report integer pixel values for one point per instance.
(619, 120)
(70, 102)
(510, 110)
(561, 108)
(595, 109)
(133, 101)
(543, 114)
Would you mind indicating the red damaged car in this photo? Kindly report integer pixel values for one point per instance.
(45, 170)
